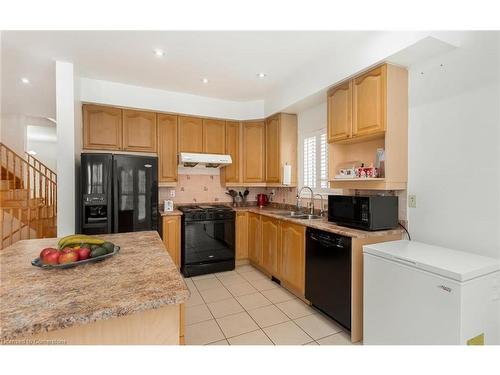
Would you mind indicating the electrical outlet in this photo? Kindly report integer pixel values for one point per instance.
(412, 201)
(172, 193)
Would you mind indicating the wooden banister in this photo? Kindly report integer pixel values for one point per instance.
(36, 211)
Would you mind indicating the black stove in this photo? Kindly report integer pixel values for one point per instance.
(208, 239)
(204, 212)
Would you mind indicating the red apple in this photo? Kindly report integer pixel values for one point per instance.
(46, 251)
(69, 257)
(51, 258)
(68, 250)
(83, 253)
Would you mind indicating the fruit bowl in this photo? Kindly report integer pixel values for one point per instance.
(37, 262)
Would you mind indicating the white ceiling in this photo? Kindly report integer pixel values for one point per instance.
(230, 60)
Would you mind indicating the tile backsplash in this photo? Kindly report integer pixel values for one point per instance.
(198, 188)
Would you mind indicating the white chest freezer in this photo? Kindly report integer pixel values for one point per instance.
(416, 293)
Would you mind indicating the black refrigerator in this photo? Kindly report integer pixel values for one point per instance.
(119, 193)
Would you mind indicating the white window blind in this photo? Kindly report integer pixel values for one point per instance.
(310, 162)
(315, 153)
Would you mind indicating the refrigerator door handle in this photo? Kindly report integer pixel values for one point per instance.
(115, 196)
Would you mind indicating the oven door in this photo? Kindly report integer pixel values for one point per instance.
(208, 241)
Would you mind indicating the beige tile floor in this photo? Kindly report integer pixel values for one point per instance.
(244, 307)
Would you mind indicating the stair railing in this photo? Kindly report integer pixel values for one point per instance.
(30, 205)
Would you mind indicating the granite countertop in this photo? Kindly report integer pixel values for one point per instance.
(322, 224)
(175, 212)
(142, 276)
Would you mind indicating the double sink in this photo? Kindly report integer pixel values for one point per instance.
(298, 215)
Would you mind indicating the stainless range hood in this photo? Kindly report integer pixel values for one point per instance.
(195, 160)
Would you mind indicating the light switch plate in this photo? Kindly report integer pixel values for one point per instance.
(172, 193)
(412, 201)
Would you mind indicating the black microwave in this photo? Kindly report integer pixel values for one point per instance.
(364, 212)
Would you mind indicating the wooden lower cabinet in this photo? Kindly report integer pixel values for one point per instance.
(172, 237)
(182, 323)
(293, 256)
(241, 235)
(270, 244)
(254, 244)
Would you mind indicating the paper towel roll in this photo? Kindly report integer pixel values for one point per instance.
(287, 174)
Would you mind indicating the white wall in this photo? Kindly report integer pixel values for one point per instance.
(66, 148)
(454, 152)
(112, 93)
(13, 132)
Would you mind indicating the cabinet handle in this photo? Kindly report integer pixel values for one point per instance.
(405, 260)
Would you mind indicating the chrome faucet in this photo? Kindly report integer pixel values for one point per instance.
(311, 203)
(321, 209)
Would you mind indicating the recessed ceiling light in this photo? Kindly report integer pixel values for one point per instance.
(262, 75)
(25, 80)
(204, 80)
(32, 152)
(159, 52)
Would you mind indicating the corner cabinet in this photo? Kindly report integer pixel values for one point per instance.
(365, 114)
(167, 148)
(190, 134)
(293, 256)
(254, 233)
(139, 131)
(281, 148)
(214, 136)
(254, 152)
(102, 127)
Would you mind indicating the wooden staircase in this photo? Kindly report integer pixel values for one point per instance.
(28, 198)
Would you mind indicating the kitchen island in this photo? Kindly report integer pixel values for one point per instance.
(134, 297)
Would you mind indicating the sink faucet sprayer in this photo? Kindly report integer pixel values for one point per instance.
(311, 203)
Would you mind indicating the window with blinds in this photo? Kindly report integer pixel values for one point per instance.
(315, 154)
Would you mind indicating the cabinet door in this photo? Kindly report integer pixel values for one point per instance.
(273, 149)
(190, 134)
(139, 131)
(232, 172)
(270, 244)
(167, 148)
(254, 151)
(241, 235)
(214, 136)
(171, 237)
(340, 112)
(369, 103)
(102, 127)
(254, 249)
(292, 270)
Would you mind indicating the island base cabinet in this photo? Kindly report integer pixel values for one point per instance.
(151, 327)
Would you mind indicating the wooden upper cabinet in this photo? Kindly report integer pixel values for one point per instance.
(102, 127)
(254, 151)
(190, 134)
(254, 233)
(214, 136)
(232, 172)
(167, 148)
(270, 244)
(273, 167)
(340, 112)
(292, 263)
(369, 102)
(139, 131)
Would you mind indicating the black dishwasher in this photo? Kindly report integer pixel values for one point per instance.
(328, 274)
